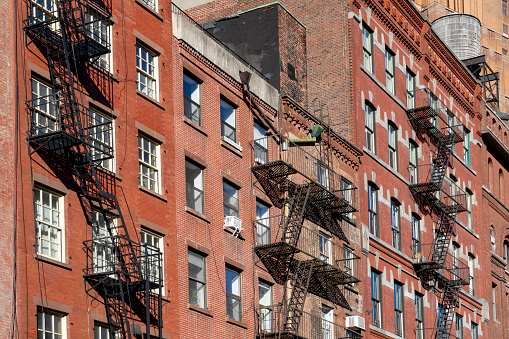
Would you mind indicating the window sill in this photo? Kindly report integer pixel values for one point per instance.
(230, 230)
(200, 310)
(195, 125)
(231, 148)
(152, 100)
(53, 262)
(150, 10)
(153, 193)
(197, 214)
(469, 230)
(237, 323)
(467, 166)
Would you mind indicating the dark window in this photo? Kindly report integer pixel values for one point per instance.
(373, 210)
(194, 187)
(291, 71)
(395, 225)
(376, 298)
(192, 99)
(399, 309)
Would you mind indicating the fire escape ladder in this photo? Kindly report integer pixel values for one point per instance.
(296, 209)
(443, 234)
(299, 278)
(61, 28)
(441, 161)
(447, 310)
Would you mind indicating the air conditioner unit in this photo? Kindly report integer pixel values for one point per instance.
(355, 321)
(235, 223)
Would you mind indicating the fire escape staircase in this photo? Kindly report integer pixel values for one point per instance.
(439, 270)
(285, 258)
(61, 29)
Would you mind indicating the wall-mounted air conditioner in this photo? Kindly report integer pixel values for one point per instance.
(356, 322)
(235, 223)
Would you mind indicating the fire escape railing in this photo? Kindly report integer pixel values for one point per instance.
(434, 263)
(127, 275)
(309, 194)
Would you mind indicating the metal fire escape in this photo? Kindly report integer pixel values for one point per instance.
(67, 137)
(309, 196)
(437, 267)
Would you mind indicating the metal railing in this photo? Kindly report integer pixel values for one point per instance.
(114, 254)
(315, 244)
(277, 148)
(449, 267)
(438, 118)
(271, 322)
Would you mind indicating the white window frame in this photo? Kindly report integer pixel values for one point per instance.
(459, 326)
(144, 87)
(260, 144)
(42, 321)
(349, 258)
(102, 331)
(156, 167)
(231, 202)
(59, 226)
(46, 112)
(152, 4)
(265, 301)
(327, 322)
(263, 230)
(416, 236)
(325, 246)
(103, 252)
(468, 214)
(399, 309)
(374, 226)
(410, 87)
(233, 300)
(466, 146)
(322, 174)
(46, 13)
(198, 186)
(193, 279)
(367, 48)
(396, 225)
(104, 61)
(393, 146)
(109, 164)
(471, 274)
(376, 299)
(155, 240)
(413, 161)
(229, 121)
(370, 127)
(390, 74)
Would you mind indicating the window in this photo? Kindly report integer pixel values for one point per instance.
(151, 3)
(103, 332)
(50, 325)
(395, 225)
(45, 105)
(148, 153)
(197, 279)
(263, 224)
(459, 326)
(194, 187)
(260, 144)
(369, 114)
(399, 309)
(327, 322)
(389, 71)
(471, 273)
(146, 62)
(228, 121)
(505, 29)
(475, 331)
(419, 316)
(322, 174)
(504, 51)
(490, 174)
(101, 139)
(492, 238)
(192, 99)
(506, 252)
(468, 197)
(393, 146)
(346, 188)
(265, 301)
(49, 224)
(504, 7)
(98, 28)
(456, 259)
(494, 298)
(410, 87)
(376, 298)
(230, 200)
(42, 10)
(414, 158)
(416, 236)
(373, 210)
(466, 146)
(325, 248)
(367, 48)
(233, 299)
(103, 256)
(151, 251)
(501, 184)
(349, 257)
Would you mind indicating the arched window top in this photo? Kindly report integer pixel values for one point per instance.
(373, 185)
(395, 201)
